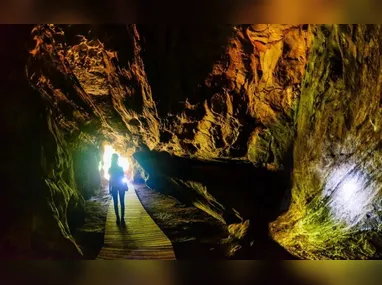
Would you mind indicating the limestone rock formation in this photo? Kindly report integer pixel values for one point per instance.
(208, 93)
(204, 92)
(227, 118)
(335, 211)
(40, 201)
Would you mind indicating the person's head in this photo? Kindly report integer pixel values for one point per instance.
(114, 159)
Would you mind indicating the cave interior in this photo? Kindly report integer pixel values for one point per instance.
(272, 131)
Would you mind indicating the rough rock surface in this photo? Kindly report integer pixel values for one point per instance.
(336, 197)
(208, 93)
(225, 117)
(205, 92)
(41, 204)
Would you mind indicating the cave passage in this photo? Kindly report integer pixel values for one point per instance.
(139, 237)
(239, 141)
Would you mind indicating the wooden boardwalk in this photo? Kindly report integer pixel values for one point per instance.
(140, 238)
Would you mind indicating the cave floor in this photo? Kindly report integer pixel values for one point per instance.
(139, 238)
(91, 234)
(194, 234)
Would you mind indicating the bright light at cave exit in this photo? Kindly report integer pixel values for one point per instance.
(122, 161)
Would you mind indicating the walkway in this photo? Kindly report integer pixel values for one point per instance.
(141, 238)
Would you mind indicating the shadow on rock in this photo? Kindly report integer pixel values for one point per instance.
(224, 189)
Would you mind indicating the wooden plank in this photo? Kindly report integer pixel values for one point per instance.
(140, 238)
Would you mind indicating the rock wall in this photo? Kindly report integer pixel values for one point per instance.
(207, 93)
(204, 92)
(228, 118)
(86, 160)
(226, 91)
(41, 205)
(336, 196)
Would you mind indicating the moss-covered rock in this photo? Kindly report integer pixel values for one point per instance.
(41, 206)
(86, 164)
(336, 202)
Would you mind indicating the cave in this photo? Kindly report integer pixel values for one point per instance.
(237, 141)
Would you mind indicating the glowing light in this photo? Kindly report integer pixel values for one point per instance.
(350, 196)
(122, 161)
(349, 190)
(124, 180)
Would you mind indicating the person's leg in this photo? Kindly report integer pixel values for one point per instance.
(115, 201)
(122, 201)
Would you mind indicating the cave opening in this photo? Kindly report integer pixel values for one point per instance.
(105, 164)
(91, 163)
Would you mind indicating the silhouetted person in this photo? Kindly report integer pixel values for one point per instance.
(117, 187)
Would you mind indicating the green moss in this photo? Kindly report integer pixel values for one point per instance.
(260, 147)
(332, 130)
